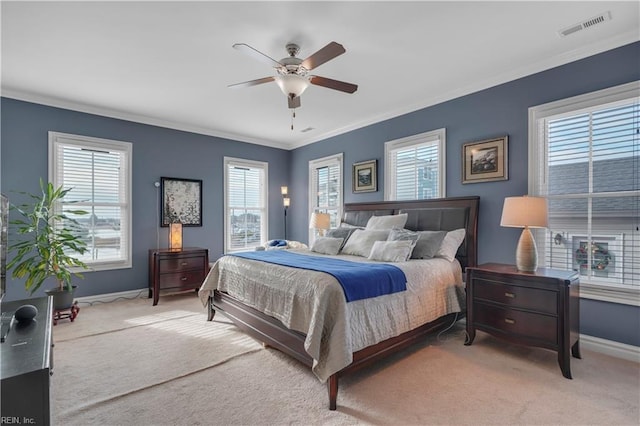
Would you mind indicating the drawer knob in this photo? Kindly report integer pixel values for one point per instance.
(184, 264)
(183, 278)
(509, 321)
(510, 295)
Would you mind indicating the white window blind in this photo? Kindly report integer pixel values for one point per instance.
(325, 189)
(245, 204)
(415, 167)
(589, 169)
(98, 171)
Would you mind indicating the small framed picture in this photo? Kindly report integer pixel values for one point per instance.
(181, 201)
(485, 161)
(365, 176)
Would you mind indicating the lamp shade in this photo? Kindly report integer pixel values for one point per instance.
(284, 190)
(520, 212)
(286, 201)
(175, 236)
(319, 221)
(292, 84)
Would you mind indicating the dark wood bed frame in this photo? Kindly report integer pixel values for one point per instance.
(273, 333)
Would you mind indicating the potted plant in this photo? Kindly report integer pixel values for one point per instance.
(51, 239)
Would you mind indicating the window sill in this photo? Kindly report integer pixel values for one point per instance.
(613, 295)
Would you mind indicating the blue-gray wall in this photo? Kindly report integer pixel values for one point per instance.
(159, 152)
(156, 152)
(497, 111)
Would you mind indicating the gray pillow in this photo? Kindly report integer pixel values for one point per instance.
(343, 233)
(327, 245)
(400, 234)
(428, 244)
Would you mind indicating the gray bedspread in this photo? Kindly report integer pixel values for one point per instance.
(313, 303)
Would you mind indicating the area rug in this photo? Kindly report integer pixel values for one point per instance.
(143, 352)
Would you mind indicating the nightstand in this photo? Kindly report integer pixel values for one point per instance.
(183, 269)
(531, 308)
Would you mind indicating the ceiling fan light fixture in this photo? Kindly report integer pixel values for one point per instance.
(292, 84)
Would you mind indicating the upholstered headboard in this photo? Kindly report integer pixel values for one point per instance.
(441, 214)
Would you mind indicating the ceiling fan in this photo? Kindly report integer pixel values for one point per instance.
(293, 76)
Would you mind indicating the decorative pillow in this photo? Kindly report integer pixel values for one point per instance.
(400, 234)
(450, 244)
(343, 233)
(391, 251)
(327, 245)
(361, 241)
(428, 244)
(349, 226)
(387, 222)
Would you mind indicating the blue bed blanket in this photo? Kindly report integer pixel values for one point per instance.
(358, 280)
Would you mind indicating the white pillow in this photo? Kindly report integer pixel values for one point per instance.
(450, 244)
(327, 245)
(387, 222)
(361, 241)
(391, 251)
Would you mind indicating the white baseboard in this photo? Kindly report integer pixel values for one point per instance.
(604, 346)
(110, 297)
(610, 347)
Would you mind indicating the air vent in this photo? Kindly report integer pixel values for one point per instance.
(308, 129)
(603, 17)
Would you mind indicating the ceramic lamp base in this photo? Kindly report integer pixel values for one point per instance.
(527, 252)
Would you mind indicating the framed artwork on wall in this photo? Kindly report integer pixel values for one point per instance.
(365, 176)
(181, 201)
(485, 161)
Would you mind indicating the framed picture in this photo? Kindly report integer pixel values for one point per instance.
(485, 161)
(181, 201)
(365, 176)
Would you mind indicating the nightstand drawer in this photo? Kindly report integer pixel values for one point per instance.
(534, 299)
(181, 264)
(181, 279)
(531, 325)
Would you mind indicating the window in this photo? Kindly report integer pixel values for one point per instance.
(325, 189)
(584, 156)
(415, 167)
(245, 201)
(99, 173)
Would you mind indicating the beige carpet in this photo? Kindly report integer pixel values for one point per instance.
(128, 362)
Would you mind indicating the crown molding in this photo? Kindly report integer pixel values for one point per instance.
(520, 72)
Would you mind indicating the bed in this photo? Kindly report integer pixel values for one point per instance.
(305, 313)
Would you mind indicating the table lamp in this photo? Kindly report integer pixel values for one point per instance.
(175, 236)
(525, 212)
(319, 221)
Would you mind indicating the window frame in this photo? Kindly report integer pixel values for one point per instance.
(390, 147)
(58, 139)
(264, 226)
(314, 165)
(537, 172)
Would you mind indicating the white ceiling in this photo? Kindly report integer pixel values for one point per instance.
(169, 63)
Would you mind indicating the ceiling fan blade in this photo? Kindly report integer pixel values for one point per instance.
(256, 54)
(323, 55)
(333, 84)
(252, 82)
(294, 102)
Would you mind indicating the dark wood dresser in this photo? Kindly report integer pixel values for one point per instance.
(177, 270)
(26, 358)
(539, 308)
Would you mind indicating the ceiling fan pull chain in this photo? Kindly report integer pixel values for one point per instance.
(293, 115)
